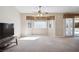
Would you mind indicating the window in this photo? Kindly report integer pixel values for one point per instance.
(29, 25)
(40, 24)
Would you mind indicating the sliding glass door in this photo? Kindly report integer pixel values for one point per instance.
(72, 27)
(76, 26)
(40, 27)
(69, 27)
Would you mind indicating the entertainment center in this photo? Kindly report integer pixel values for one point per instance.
(7, 35)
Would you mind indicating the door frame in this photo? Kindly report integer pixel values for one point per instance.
(72, 29)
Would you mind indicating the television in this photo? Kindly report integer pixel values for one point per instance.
(6, 30)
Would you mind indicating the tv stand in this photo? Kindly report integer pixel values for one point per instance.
(6, 42)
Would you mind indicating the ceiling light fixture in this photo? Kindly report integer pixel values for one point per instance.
(40, 13)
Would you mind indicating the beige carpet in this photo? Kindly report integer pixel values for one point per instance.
(45, 44)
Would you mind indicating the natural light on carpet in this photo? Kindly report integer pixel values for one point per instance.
(29, 38)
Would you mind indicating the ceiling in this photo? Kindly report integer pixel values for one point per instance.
(49, 9)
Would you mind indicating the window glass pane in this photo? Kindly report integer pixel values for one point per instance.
(76, 27)
(40, 24)
(29, 25)
(69, 27)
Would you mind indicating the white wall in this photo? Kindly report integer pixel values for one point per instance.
(59, 25)
(51, 31)
(9, 14)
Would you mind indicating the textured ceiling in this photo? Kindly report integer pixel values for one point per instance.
(49, 9)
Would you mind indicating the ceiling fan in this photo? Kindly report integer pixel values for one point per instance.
(40, 12)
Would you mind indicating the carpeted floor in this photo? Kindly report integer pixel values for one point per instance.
(45, 44)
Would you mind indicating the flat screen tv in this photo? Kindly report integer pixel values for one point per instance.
(6, 30)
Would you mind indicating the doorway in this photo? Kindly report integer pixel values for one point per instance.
(76, 26)
(69, 27)
(72, 27)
